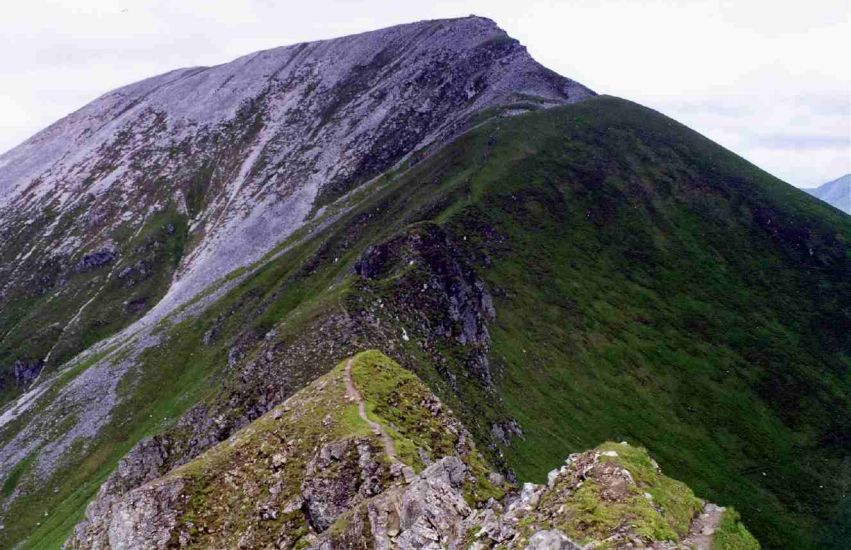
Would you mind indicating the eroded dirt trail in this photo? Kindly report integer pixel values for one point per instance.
(353, 394)
(703, 527)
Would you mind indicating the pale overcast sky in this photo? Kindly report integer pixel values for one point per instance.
(770, 80)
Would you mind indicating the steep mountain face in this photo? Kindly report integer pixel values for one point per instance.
(835, 193)
(366, 457)
(558, 273)
(154, 191)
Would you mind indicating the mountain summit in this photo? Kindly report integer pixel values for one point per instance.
(185, 261)
(236, 157)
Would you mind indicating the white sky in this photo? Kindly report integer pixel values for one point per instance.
(770, 80)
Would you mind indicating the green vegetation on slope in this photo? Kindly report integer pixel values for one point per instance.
(653, 287)
(596, 497)
(86, 304)
(418, 423)
(732, 534)
(648, 286)
(678, 503)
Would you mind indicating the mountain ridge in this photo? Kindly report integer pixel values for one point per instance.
(558, 275)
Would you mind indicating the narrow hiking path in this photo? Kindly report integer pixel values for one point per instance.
(703, 527)
(353, 394)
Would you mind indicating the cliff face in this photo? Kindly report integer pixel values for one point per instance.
(367, 457)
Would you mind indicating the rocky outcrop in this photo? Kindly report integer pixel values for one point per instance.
(431, 511)
(146, 518)
(26, 371)
(505, 431)
(551, 540)
(436, 290)
(427, 512)
(341, 474)
(96, 259)
(110, 521)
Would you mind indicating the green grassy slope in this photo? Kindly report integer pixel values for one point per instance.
(649, 286)
(656, 288)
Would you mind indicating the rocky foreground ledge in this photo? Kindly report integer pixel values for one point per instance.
(367, 457)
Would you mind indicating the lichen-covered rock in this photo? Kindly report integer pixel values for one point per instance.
(141, 465)
(432, 507)
(428, 512)
(146, 517)
(341, 474)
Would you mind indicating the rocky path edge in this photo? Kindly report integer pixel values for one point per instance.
(703, 527)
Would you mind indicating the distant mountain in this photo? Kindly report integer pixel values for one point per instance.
(836, 193)
(186, 254)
